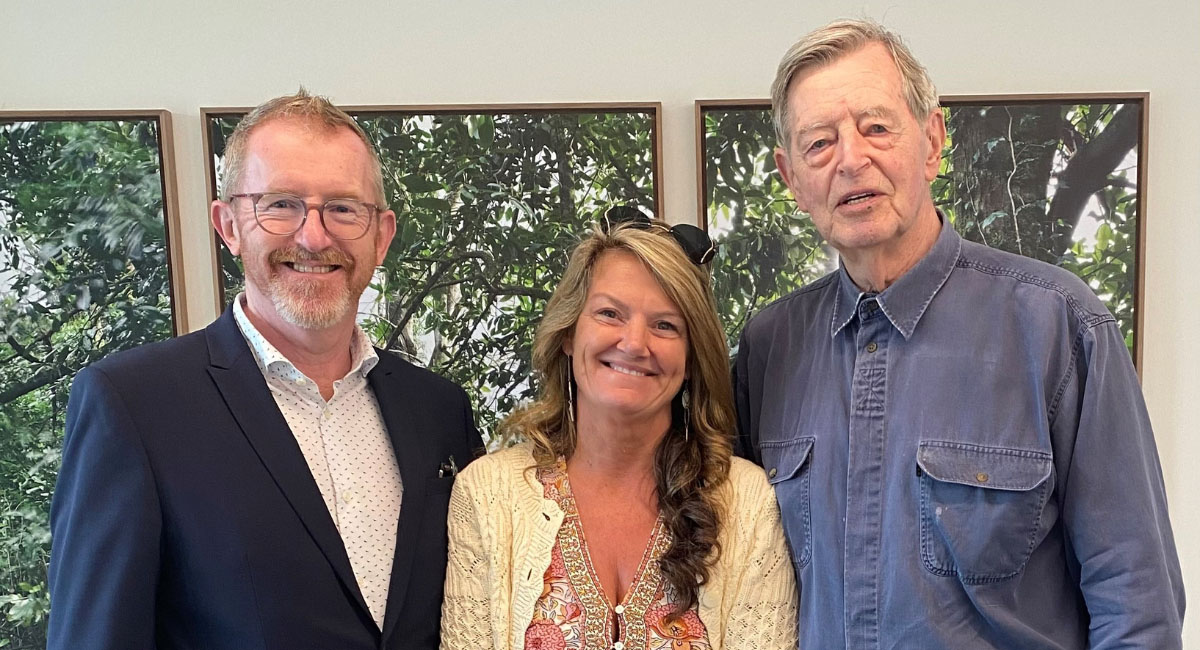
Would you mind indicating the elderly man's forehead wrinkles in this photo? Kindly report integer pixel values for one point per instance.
(870, 112)
(877, 112)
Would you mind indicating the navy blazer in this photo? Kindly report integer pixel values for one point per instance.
(185, 515)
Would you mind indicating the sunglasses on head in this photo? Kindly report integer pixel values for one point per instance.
(696, 243)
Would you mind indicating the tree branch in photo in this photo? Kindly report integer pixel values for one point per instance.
(44, 378)
(1089, 169)
(435, 278)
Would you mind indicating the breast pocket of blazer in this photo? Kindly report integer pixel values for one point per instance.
(981, 508)
(788, 468)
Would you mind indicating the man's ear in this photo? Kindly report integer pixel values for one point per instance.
(225, 224)
(383, 238)
(784, 164)
(935, 132)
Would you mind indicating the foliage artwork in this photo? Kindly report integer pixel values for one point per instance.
(488, 205)
(84, 274)
(1052, 180)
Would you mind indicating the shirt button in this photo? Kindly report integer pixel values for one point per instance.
(618, 646)
(773, 472)
(872, 346)
(981, 477)
(620, 609)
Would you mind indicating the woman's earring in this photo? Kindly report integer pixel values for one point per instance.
(685, 399)
(570, 390)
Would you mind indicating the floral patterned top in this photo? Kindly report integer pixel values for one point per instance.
(573, 613)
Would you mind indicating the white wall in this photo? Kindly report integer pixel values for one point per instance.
(184, 55)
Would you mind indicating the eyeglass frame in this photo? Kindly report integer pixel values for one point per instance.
(257, 196)
(627, 214)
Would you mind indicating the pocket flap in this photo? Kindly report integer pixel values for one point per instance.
(990, 467)
(783, 460)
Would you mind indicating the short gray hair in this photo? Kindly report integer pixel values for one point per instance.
(314, 109)
(839, 38)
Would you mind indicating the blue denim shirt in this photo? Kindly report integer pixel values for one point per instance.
(963, 460)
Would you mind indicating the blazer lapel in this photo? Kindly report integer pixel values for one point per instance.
(245, 391)
(406, 421)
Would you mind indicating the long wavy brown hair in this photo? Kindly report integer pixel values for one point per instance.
(689, 469)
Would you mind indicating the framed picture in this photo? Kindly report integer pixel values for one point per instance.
(489, 201)
(1053, 177)
(90, 266)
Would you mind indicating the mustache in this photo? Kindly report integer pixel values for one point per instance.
(297, 254)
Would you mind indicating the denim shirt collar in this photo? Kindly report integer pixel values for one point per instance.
(906, 300)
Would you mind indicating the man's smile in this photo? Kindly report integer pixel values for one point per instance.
(301, 267)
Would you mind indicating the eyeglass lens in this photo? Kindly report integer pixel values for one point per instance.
(283, 214)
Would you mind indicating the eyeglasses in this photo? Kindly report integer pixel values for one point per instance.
(696, 243)
(280, 213)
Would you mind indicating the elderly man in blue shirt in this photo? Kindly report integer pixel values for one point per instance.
(956, 435)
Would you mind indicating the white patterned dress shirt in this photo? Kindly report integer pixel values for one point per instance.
(348, 451)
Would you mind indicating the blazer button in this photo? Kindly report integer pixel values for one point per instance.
(773, 472)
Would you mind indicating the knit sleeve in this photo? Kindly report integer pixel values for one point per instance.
(466, 610)
(762, 606)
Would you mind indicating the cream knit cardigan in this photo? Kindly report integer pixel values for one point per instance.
(502, 530)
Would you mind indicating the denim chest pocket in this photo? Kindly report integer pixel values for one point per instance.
(787, 464)
(981, 508)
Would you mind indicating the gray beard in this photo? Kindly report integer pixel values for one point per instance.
(305, 310)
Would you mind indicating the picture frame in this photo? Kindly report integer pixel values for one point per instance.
(91, 266)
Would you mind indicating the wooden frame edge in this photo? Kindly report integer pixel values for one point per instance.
(174, 224)
(701, 160)
(1078, 98)
(210, 185)
(1139, 255)
(658, 152)
(535, 107)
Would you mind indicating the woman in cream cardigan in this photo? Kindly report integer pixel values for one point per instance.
(622, 522)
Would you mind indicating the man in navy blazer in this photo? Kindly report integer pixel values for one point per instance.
(272, 481)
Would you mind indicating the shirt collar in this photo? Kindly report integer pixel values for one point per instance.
(905, 301)
(363, 357)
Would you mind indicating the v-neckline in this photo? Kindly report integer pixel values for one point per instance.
(627, 617)
(639, 574)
